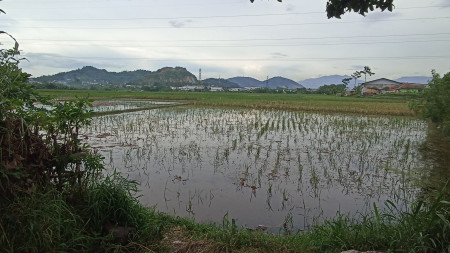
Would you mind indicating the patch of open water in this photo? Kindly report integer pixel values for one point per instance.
(284, 170)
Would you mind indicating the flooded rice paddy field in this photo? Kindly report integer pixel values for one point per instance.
(284, 170)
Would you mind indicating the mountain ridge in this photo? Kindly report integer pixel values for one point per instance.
(271, 83)
(179, 76)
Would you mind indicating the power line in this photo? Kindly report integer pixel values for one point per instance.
(243, 46)
(226, 26)
(205, 17)
(109, 6)
(170, 18)
(255, 39)
(345, 58)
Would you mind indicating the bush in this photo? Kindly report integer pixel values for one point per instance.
(437, 101)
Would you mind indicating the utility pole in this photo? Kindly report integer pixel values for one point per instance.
(200, 75)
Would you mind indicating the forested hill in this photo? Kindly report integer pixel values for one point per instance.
(90, 75)
(177, 76)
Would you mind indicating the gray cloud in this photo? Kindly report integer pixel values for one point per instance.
(279, 55)
(55, 63)
(290, 7)
(445, 3)
(378, 15)
(356, 67)
(179, 24)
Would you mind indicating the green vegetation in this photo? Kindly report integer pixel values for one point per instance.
(437, 101)
(293, 102)
(332, 89)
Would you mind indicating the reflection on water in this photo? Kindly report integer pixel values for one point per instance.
(436, 152)
(269, 168)
(105, 106)
(108, 105)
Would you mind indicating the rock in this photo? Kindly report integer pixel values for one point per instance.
(119, 233)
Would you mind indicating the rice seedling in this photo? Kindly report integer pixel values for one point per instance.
(213, 145)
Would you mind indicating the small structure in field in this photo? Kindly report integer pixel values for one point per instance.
(384, 85)
(215, 88)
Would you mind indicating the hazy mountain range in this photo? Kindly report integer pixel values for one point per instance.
(272, 83)
(179, 76)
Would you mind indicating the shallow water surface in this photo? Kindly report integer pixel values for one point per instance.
(284, 170)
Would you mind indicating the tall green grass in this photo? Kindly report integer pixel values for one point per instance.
(47, 222)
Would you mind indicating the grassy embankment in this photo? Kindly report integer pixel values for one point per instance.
(294, 102)
(45, 220)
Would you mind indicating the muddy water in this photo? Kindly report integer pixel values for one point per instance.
(284, 170)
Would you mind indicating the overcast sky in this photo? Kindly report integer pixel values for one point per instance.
(227, 38)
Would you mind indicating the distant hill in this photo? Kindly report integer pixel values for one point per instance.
(314, 83)
(168, 76)
(220, 82)
(179, 76)
(90, 75)
(272, 83)
(281, 82)
(162, 78)
(245, 81)
(414, 79)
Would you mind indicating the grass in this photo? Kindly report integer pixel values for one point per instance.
(425, 228)
(46, 221)
(293, 102)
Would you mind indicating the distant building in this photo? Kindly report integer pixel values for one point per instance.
(188, 87)
(384, 85)
(215, 88)
(380, 84)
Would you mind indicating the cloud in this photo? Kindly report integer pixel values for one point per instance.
(279, 55)
(356, 67)
(179, 24)
(290, 8)
(37, 63)
(381, 15)
(444, 4)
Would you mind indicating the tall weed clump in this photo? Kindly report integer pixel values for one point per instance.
(112, 200)
(43, 222)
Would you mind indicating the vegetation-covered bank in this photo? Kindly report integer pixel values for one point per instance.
(293, 102)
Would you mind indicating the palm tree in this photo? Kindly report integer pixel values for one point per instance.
(366, 71)
(356, 75)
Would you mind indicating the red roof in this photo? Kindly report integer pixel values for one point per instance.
(410, 86)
